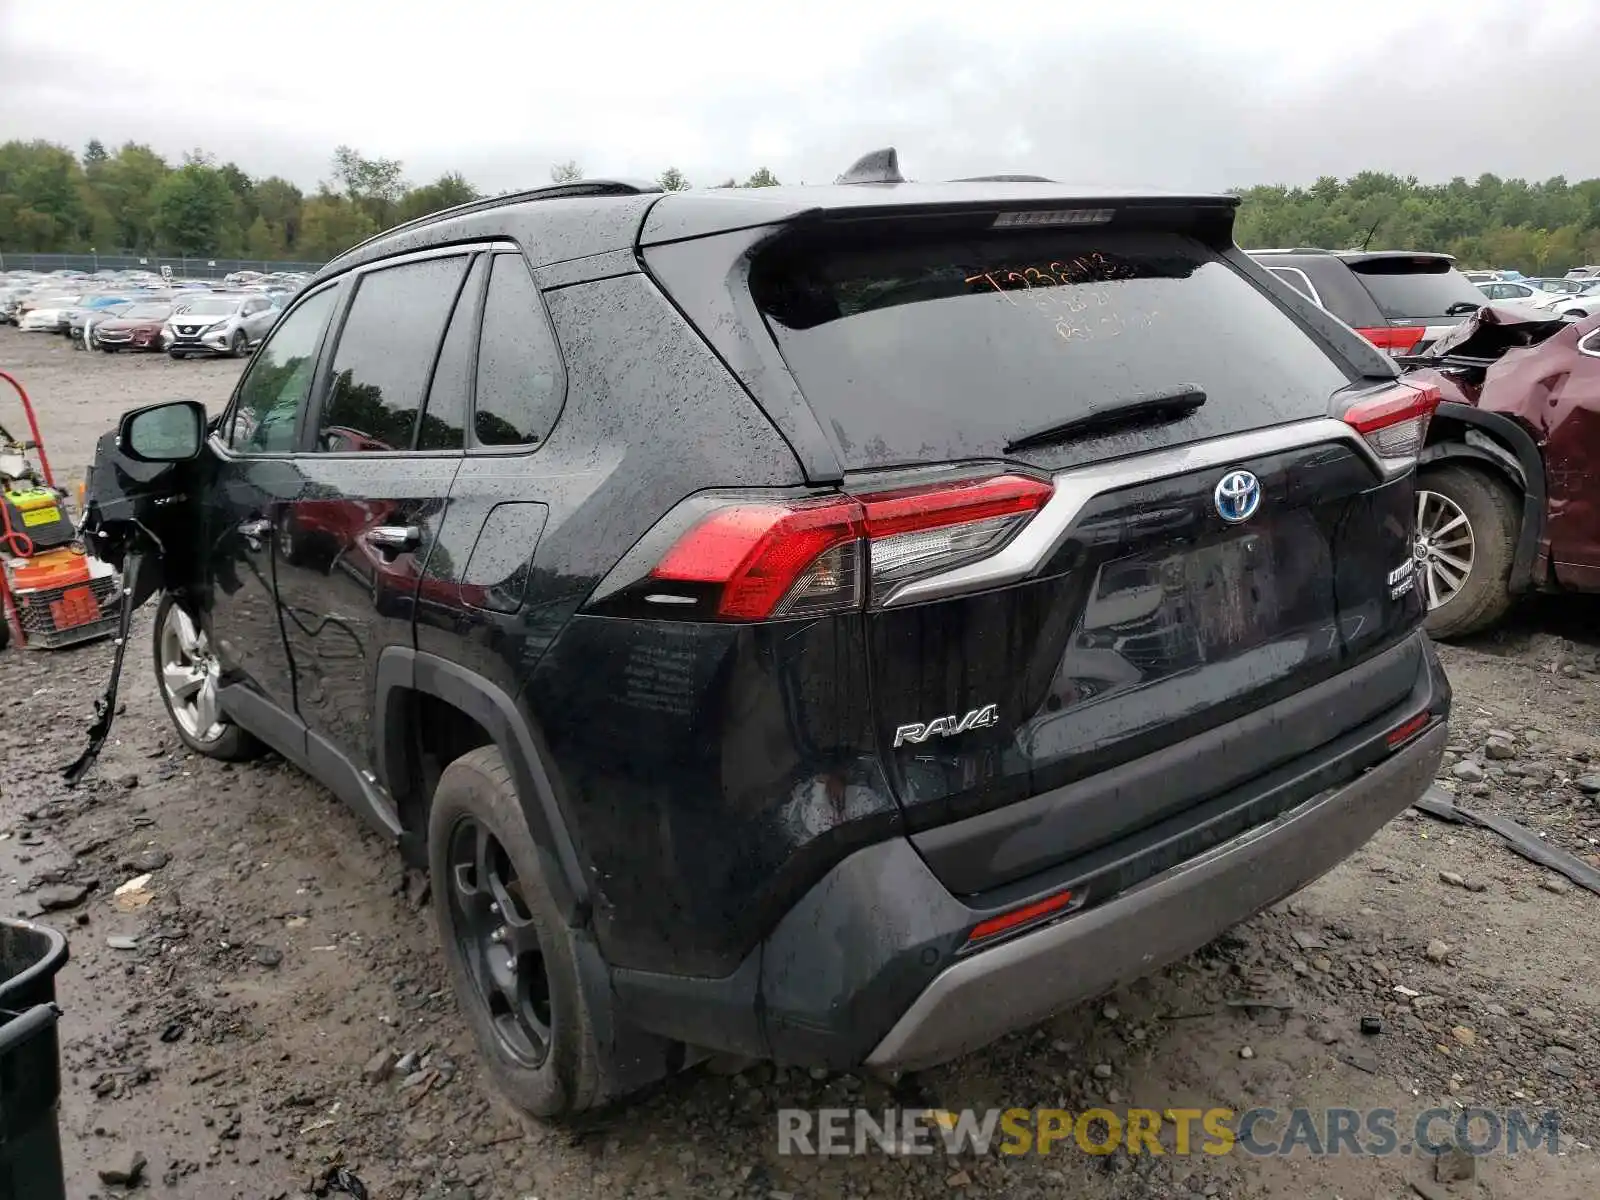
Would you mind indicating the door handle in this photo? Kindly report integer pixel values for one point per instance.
(393, 539)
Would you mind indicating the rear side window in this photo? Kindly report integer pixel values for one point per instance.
(519, 369)
(941, 348)
(385, 352)
(1417, 288)
(279, 377)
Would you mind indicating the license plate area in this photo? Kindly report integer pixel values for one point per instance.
(1185, 606)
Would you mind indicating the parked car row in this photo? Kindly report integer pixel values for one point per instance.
(1505, 503)
(1575, 298)
(137, 310)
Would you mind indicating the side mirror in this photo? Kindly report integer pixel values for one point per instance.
(163, 433)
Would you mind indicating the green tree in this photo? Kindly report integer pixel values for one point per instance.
(46, 189)
(126, 184)
(762, 178)
(264, 241)
(444, 192)
(191, 209)
(279, 203)
(94, 155)
(566, 172)
(374, 184)
(672, 180)
(330, 224)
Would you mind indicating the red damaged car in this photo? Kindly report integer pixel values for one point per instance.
(137, 329)
(1508, 498)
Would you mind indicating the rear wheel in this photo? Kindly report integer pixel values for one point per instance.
(510, 954)
(1467, 524)
(188, 677)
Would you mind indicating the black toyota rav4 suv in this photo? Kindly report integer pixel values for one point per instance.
(837, 624)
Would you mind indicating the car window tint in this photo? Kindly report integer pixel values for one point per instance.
(380, 366)
(278, 380)
(519, 370)
(444, 421)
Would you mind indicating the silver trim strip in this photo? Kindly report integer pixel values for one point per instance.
(1075, 488)
(1590, 344)
(1309, 291)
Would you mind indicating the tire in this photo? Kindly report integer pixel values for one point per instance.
(108, 349)
(226, 742)
(177, 354)
(476, 799)
(1493, 513)
(238, 344)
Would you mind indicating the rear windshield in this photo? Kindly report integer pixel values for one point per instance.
(945, 348)
(1417, 288)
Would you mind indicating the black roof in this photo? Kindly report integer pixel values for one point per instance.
(587, 217)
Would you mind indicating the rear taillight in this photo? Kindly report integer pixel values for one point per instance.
(750, 561)
(1394, 422)
(1395, 340)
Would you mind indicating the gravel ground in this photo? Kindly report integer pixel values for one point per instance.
(280, 959)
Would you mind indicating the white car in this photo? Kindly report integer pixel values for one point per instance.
(1502, 290)
(46, 313)
(1584, 302)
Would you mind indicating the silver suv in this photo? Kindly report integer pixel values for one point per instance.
(218, 325)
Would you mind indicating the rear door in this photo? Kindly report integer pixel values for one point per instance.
(370, 493)
(1176, 572)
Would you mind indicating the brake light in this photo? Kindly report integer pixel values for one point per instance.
(1028, 914)
(1394, 422)
(1396, 340)
(773, 560)
(752, 561)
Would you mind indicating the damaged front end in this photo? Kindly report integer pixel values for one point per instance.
(139, 516)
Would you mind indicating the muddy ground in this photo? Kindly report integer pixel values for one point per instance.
(278, 949)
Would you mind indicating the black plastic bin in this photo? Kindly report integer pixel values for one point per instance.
(30, 1062)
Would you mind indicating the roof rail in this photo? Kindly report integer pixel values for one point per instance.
(1003, 179)
(555, 191)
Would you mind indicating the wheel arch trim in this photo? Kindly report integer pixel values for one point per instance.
(401, 672)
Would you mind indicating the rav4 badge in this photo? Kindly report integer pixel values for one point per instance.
(978, 718)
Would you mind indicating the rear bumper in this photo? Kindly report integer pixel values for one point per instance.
(1023, 981)
(869, 965)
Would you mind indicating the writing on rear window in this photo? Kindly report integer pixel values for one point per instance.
(917, 347)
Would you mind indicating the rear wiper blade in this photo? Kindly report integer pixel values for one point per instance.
(1165, 406)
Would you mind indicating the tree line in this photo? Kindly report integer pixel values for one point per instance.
(134, 201)
(1539, 228)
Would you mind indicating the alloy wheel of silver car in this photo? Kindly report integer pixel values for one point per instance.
(189, 676)
(1445, 547)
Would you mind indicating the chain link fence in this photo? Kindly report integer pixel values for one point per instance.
(183, 267)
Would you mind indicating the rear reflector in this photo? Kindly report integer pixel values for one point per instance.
(1394, 422)
(1026, 915)
(1396, 340)
(1407, 730)
(790, 559)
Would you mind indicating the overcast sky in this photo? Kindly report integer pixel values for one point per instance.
(1164, 93)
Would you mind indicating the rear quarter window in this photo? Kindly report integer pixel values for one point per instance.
(939, 348)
